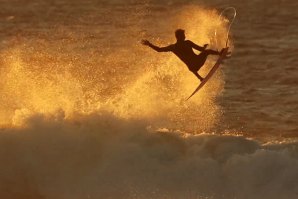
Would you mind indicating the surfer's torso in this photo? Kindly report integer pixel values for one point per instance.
(184, 51)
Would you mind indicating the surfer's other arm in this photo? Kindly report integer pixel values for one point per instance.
(156, 48)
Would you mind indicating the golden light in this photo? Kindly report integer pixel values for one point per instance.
(32, 83)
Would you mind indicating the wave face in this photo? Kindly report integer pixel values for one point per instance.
(88, 112)
(107, 157)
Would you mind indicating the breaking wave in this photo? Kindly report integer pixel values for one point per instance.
(92, 114)
(102, 156)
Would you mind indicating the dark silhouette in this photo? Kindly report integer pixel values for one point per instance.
(184, 50)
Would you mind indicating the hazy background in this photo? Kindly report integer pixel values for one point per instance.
(88, 112)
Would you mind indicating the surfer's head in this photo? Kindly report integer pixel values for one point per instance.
(180, 36)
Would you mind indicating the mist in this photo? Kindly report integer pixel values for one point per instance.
(102, 156)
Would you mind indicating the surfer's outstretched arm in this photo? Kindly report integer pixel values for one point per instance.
(156, 48)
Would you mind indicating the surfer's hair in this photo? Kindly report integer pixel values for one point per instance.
(179, 33)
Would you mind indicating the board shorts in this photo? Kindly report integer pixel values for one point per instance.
(199, 62)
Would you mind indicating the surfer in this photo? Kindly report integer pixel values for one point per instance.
(183, 49)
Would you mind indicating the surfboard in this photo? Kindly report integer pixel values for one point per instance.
(211, 72)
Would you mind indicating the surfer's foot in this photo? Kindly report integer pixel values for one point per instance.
(197, 75)
(222, 50)
(228, 54)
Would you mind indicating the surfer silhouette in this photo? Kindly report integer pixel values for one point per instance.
(183, 49)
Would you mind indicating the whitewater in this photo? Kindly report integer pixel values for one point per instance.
(88, 112)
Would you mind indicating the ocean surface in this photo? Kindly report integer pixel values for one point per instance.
(86, 111)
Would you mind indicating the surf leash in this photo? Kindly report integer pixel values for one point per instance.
(230, 25)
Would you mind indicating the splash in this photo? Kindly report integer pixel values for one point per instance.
(69, 77)
(88, 98)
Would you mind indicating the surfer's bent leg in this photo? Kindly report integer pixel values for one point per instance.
(212, 52)
(197, 75)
